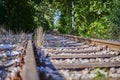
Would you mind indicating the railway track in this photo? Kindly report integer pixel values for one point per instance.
(73, 58)
(63, 57)
(16, 52)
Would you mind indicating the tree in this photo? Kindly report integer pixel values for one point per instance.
(2, 12)
(19, 15)
(114, 19)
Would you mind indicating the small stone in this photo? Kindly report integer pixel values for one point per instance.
(85, 71)
(112, 70)
(92, 72)
(106, 60)
(103, 72)
(114, 75)
(91, 76)
(118, 71)
(85, 61)
(56, 77)
(85, 76)
(68, 78)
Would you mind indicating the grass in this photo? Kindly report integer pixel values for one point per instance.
(101, 76)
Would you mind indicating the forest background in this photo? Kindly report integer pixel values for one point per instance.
(92, 18)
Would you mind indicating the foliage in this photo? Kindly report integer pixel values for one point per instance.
(93, 18)
(64, 6)
(114, 18)
(101, 76)
(40, 19)
(99, 29)
(19, 15)
(2, 13)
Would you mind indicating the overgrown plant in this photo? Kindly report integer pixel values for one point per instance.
(101, 76)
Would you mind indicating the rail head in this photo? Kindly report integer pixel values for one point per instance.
(111, 44)
(29, 69)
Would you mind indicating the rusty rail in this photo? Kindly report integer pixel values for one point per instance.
(29, 69)
(110, 44)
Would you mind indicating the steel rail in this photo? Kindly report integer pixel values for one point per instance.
(29, 69)
(111, 44)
